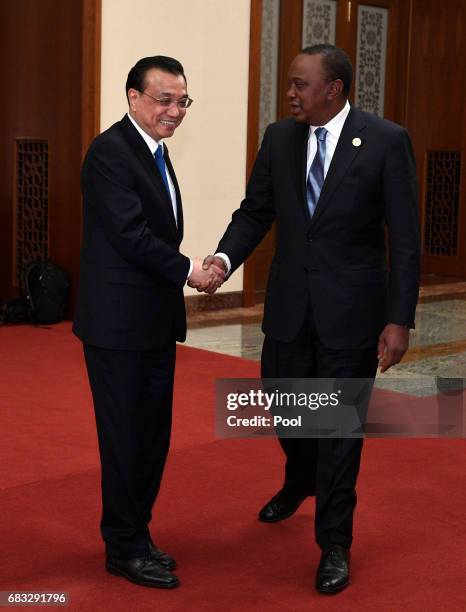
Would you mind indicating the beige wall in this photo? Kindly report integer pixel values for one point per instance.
(211, 39)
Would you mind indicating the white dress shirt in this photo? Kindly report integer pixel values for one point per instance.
(333, 127)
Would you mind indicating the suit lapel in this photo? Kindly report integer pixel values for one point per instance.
(345, 154)
(300, 163)
(179, 207)
(144, 155)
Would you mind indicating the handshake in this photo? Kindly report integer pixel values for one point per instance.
(208, 274)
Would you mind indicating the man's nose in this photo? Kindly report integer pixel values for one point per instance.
(174, 110)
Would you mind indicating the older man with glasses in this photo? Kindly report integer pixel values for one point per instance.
(130, 310)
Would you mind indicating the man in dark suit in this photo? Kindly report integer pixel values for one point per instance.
(334, 179)
(130, 310)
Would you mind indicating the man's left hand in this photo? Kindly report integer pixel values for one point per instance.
(393, 344)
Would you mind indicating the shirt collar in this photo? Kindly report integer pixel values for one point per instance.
(335, 125)
(150, 142)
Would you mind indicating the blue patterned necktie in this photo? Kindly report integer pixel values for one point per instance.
(315, 180)
(159, 160)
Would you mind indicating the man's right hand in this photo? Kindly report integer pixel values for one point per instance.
(216, 261)
(206, 278)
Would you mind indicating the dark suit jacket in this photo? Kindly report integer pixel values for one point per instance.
(132, 274)
(337, 259)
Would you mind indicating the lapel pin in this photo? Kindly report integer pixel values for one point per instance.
(357, 142)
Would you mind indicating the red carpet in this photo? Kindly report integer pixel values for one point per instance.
(410, 536)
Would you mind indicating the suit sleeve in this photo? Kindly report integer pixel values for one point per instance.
(402, 218)
(256, 214)
(109, 188)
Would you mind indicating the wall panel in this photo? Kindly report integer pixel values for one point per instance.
(46, 102)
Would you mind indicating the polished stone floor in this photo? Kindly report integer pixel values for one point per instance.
(437, 345)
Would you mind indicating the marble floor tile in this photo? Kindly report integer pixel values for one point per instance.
(438, 323)
(239, 340)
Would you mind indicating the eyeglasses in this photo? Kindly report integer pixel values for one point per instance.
(182, 103)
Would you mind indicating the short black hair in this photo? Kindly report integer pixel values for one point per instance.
(137, 74)
(336, 63)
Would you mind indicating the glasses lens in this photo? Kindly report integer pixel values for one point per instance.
(183, 102)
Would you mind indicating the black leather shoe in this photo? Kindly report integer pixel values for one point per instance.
(144, 571)
(333, 571)
(281, 506)
(163, 558)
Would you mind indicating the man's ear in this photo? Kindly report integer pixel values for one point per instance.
(335, 89)
(132, 98)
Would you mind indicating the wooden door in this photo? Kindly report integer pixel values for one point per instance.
(50, 53)
(436, 120)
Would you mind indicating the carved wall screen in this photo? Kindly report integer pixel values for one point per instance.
(319, 21)
(442, 202)
(31, 206)
(269, 64)
(371, 57)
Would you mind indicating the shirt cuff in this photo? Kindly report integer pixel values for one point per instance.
(191, 266)
(226, 259)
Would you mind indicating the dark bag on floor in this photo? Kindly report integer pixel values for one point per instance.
(14, 311)
(47, 287)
